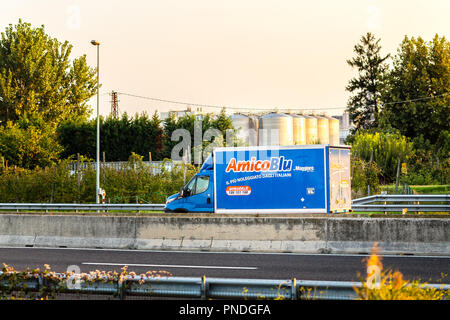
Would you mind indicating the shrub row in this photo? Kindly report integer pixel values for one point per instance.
(133, 182)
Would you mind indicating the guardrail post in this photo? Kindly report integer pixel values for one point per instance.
(121, 289)
(204, 288)
(294, 291)
(41, 287)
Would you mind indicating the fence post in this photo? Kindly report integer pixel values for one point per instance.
(398, 172)
(78, 176)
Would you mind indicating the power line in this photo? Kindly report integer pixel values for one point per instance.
(220, 107)
(267, 109)
(418, 99)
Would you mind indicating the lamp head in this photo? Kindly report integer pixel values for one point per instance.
(95, 43)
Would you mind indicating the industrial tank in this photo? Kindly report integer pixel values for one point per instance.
(253, 130)
(276, 129)
(299, 129)
(333, 125)
(311, 129)
(323, 130)
(247, 129)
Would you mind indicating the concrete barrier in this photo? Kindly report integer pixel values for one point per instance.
(429, 236)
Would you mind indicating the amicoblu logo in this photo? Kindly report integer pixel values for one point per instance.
(274, 164)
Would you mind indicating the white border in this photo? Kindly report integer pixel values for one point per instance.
(269, 211)
(215, 181)
(252, 148)
(325, 171)
(266, 211)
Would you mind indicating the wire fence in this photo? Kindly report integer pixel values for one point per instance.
(155, 166)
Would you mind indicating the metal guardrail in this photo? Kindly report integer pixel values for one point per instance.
(192, 287)
(83, 206)
(410, 202)
(370, 203)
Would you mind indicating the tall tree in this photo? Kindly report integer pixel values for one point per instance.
(28, 143)
(417, 101)
(363, 105)
(37, 77)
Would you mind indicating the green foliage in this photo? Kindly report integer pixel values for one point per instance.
(37, 284)
(222, 123)
(385, 149)
(119, 138)
(421, 72)
(136, 182)
(77, 137)
(28, 143)
(366, 88)
(415, 104)
(384, 284)
(428, 166)
(364, 174)
(393, 287)
(133, 182)
(40, 86)
(37, 77)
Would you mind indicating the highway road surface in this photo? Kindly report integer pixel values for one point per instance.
(331, 267)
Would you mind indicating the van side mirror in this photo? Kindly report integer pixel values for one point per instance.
(185, 192)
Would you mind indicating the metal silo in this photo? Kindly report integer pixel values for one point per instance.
(333, 124)
(241, 123)
(323, 130)
(277, 129)
(253, 130)
(311, 129)
(299, 129)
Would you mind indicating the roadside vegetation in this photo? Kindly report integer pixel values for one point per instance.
(134, 182)
(400, 105)
(385, 284)
(379, 284)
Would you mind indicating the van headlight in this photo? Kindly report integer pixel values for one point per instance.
(169, 200)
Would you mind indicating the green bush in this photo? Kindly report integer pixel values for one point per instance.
(427, 165)
(385, 149)
(364, 174)
(133, 182)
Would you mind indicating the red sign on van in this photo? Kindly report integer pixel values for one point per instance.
(238, 190)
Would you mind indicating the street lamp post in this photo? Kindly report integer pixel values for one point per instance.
(97, 187)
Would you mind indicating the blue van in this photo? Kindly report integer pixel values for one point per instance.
(269, 179)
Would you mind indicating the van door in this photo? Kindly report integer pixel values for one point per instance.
(340, 184)
(202, 194)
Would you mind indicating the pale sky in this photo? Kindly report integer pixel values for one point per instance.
(235, 53)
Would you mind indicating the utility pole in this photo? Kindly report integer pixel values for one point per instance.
(97, 187)
(114, 104)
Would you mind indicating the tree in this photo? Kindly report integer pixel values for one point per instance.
(38, 78)
(417, 101)
(77, 137)
(28, 143)
(204, 133)
(363, 106)
(119, 138)
(385, 149)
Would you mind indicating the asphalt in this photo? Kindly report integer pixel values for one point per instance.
(329, 267)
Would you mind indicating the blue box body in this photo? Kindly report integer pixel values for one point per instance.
(291, 179)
